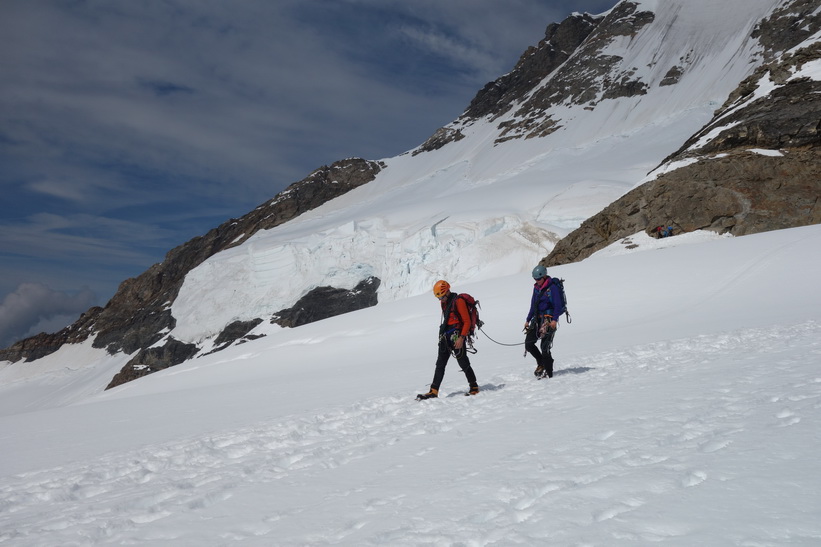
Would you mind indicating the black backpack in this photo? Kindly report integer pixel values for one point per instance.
(559, 282)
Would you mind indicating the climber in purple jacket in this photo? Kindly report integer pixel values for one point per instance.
(546, 305)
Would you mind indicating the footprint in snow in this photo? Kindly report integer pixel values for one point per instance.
(787, 418)
(693, 479)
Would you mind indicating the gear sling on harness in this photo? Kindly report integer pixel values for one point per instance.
(450, 332)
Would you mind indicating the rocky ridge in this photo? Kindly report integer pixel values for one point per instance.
(590, 78)
(139, 315)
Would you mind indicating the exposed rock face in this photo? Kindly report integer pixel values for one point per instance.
(498, 97)
(173, 352)
(44, 344)
(439, 139)
(789, 25)
(233, 332)
(139, 313)
(324, 302)
(788, 117)
(742, 193)
(238, 330)
(732, 186)
(590, 78)
(672, 77)
(560, 42)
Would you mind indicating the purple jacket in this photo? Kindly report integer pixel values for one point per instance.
(546, 300)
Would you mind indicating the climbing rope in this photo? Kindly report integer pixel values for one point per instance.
(500, 343)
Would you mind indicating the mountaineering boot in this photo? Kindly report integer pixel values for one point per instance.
(539, 372)
(474, 389)
(429, 395)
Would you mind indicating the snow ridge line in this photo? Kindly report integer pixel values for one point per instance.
(187, 476)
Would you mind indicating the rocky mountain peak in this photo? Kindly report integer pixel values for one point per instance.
(592, 77)
(544, 78)
(536, 63)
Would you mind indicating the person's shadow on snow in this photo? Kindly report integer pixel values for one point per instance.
(574, 370)
(486, 387)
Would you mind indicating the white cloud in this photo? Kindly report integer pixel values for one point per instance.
(35, 304)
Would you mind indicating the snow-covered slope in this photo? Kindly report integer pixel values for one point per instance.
(474, 209)
(684, 411)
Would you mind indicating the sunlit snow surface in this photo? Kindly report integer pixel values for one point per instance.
(684, 411)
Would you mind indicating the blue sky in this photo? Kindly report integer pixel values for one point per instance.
(127, 128)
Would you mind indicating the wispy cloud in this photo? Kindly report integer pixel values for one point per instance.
(162, 88)
(68, 236)
(33, 304)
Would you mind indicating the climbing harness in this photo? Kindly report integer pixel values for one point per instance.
(467, 346)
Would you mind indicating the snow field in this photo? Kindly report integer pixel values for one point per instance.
(619, 447)
(697, 426)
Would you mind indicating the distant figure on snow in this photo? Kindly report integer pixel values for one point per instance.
(660, 231)
(546, 305)
(453, 332)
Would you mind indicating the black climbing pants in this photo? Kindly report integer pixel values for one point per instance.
(543, 357)
(442, 361)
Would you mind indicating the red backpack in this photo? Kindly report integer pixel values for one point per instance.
(473, 311)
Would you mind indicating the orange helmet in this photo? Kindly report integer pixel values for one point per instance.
(441, 288)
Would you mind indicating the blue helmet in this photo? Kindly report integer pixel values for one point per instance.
(539, 272)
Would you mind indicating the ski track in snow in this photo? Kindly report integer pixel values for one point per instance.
(587, 475)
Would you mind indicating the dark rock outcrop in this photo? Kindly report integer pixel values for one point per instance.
(324, 302)
(788, 117)
(742, 193)
(238, 330)
(443, 136)
(672, 77)
(44, 344)
(234, 331)
(788, 26)
(149, 360)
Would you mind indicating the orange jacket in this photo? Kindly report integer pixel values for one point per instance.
(458, 315)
